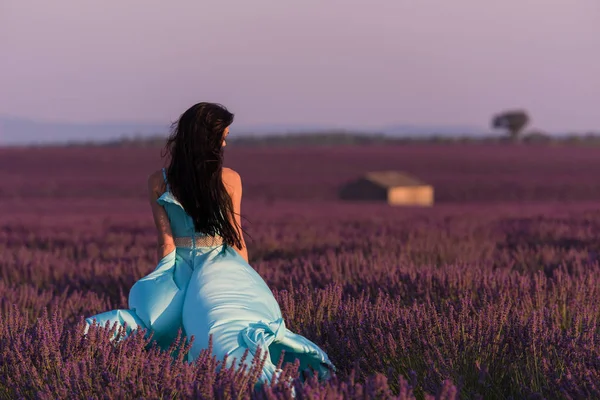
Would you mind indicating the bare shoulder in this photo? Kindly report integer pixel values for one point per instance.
(231, 178)
(156, 182)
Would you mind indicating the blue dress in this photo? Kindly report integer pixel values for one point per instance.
(212, 290)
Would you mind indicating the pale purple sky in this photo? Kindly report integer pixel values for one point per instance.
(346, 63)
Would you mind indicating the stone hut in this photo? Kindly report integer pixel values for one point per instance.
(394, 187)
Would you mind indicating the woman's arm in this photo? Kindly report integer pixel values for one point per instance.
(161, 220)
(233, 182)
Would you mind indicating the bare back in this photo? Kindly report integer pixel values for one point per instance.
(157, 186)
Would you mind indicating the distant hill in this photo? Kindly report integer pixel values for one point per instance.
(390, 130)
(15, 131)
(433, 130)
(20, 131)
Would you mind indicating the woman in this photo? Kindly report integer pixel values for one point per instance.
(203, 282)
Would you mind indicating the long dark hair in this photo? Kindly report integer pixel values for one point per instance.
(195, 170)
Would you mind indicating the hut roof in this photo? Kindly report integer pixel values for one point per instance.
(390, 179)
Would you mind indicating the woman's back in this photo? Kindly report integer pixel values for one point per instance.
(180, 222)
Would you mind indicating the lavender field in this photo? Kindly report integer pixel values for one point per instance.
(493, 293)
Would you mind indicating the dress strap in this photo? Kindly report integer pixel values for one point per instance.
(165, 179)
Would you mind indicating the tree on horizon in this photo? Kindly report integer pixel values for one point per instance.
(514, 121)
